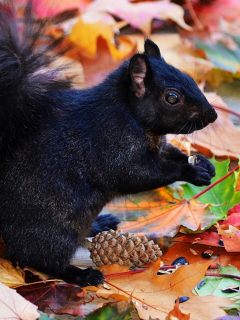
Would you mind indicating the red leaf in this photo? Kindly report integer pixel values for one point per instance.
(60, 298)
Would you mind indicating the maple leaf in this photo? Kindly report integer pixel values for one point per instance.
(214, 284)
(155, 295)
(60, 298)
(224, 200)
(10, 276)
(159, 213)
(13, 306)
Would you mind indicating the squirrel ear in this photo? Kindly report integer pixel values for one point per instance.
(138, 69)
(151, 49)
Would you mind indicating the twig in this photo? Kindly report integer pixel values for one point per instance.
(227, 110)
(223, 275)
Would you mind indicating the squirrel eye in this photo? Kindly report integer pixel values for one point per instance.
(172, 98)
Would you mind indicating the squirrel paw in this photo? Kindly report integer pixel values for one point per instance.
(83, 277)
(104, 222)
(206, 164)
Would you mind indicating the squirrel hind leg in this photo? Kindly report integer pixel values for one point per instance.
(82, 277)
(104, 222)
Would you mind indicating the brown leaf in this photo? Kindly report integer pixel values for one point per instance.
(13, 306)
(60, 298)
(10, 276)
(154, 295)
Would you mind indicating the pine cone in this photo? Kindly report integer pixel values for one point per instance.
(111, 246)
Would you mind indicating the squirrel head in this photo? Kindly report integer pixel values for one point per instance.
(164, 99)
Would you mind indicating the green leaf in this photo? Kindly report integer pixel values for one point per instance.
(117, 311)
(44, 316)
(214, 285)
(221, 56)
(222, 196)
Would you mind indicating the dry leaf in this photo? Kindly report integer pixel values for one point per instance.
(13, 306)
(155, 295)
(61, 298)
(140, 15)
(10, 276)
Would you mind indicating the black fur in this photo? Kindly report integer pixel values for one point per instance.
(85, 147)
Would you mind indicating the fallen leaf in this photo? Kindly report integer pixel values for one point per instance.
(181, 249)
(140, 15)
(167, 220)
(50, 8)
(220, 138)
(13, 306)
(210, 15)
(112, 311)
(206, 238)
(223, 201)
(85, 33)
(214, 285)
(177, 314)
(10, 276)
(60, 298)
(233, 219)
(154, 295)
(231, 238)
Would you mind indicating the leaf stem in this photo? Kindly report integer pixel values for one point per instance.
(227, 110)
(215, 183)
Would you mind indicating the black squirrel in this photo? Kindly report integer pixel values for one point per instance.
(66, 153)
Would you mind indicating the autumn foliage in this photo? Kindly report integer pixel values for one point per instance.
(203, 227)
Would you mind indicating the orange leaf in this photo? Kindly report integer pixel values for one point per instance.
(154, 295)
(10, 276)
(176, 313)
(167, 220)
(231, 238)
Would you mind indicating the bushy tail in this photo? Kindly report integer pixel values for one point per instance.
(25, 77)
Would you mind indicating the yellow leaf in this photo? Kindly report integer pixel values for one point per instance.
(85, 35)
(10, 276)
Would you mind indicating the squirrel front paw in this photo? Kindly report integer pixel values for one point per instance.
(203, 162)
(201, 172)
